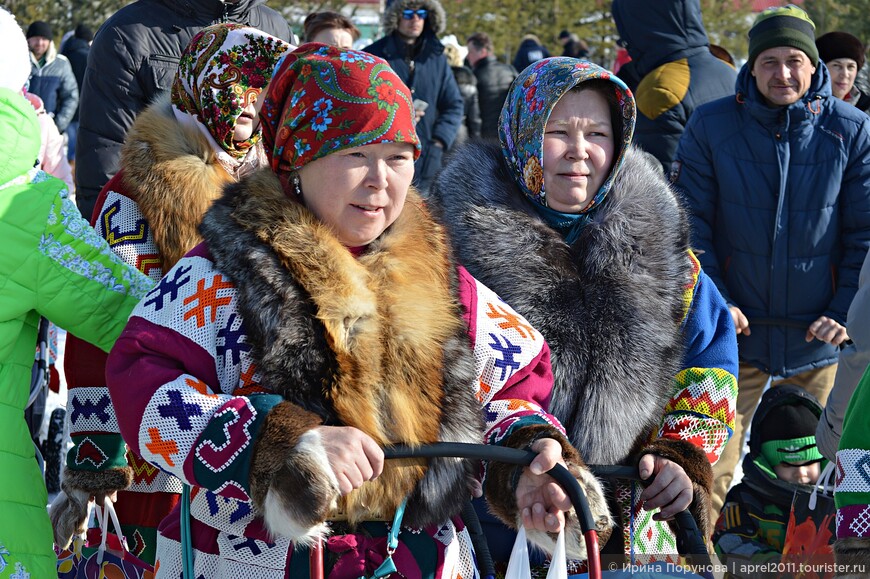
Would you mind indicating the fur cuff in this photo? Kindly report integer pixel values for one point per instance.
(854, 554)
(292, 485)
(95, 482)
(697, 466)
(501, 483)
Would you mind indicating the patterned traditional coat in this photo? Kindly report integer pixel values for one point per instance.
(272, 328)
(148, 213)
(644, 353)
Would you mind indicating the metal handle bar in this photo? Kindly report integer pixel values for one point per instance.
(782, 322)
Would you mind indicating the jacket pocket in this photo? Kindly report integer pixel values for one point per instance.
(158, 74)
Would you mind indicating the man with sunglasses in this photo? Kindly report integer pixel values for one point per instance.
(412, 48)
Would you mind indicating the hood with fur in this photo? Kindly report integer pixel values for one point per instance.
(436, 22)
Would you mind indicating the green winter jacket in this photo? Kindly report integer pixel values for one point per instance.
(51, 264)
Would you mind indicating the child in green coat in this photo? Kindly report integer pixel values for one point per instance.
(52, 264)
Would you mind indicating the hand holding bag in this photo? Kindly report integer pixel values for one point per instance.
(112, 558)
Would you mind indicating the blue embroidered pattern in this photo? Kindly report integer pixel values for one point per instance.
(61, 251)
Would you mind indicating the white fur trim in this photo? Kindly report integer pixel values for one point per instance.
(575, 544)
(283, 522)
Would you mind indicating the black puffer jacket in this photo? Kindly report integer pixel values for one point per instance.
(494, 79)
(133, 58)
(76, 51)
(470, 127)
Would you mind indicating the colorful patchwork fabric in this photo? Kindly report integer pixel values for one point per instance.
(306, 114)
(689, 292)
(852, 491)
(523, 120)
(97, 442)
(124, 227)
(223, 70)
(199, 421)
(702, 409)
(506, 350)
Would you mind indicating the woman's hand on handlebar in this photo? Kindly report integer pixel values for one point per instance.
(353, 455)
(540, 499)
(671, 491)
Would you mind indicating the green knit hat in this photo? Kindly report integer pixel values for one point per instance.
(783, 26)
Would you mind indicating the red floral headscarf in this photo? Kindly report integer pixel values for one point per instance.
(323, 99)
(224, 68)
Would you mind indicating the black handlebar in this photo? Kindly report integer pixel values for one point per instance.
(689, 540)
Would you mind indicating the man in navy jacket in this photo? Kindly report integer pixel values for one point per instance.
(776, 179)
(412, 48)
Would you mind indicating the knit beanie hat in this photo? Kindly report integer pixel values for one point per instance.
(83, 32)
(15, 64)
(324, 99)
(834, 45)
(783, 26)
(788, 434)
(40, 28)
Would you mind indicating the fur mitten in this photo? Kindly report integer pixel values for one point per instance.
(292, 485)
(69, 511)
(501, 483)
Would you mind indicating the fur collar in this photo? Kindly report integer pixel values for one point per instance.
(376, 342)
(610, 306)
(174, 175)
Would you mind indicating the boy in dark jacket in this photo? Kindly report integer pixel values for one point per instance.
(783, 459)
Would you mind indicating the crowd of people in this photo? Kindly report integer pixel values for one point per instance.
(277, 255)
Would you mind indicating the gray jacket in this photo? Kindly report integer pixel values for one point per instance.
(133, 58)
(854, 360)
(55, 83)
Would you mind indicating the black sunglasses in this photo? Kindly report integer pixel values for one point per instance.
(409, 14)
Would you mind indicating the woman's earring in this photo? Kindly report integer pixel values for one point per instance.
(297, 185)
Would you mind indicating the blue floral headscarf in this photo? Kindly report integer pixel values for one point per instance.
(523, 121)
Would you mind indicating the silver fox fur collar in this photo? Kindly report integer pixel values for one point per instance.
(610, 306)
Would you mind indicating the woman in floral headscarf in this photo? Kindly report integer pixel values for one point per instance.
(179, 154)
(321, 319)
(577, 230)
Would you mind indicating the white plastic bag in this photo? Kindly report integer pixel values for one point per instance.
(518, 565)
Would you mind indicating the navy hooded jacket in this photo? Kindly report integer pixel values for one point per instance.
(780, 212)
(671, 56)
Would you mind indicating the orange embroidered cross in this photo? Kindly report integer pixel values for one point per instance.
(511, 320)
(248, 382)
(200, 387)
(160, 447)
(207, 298)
